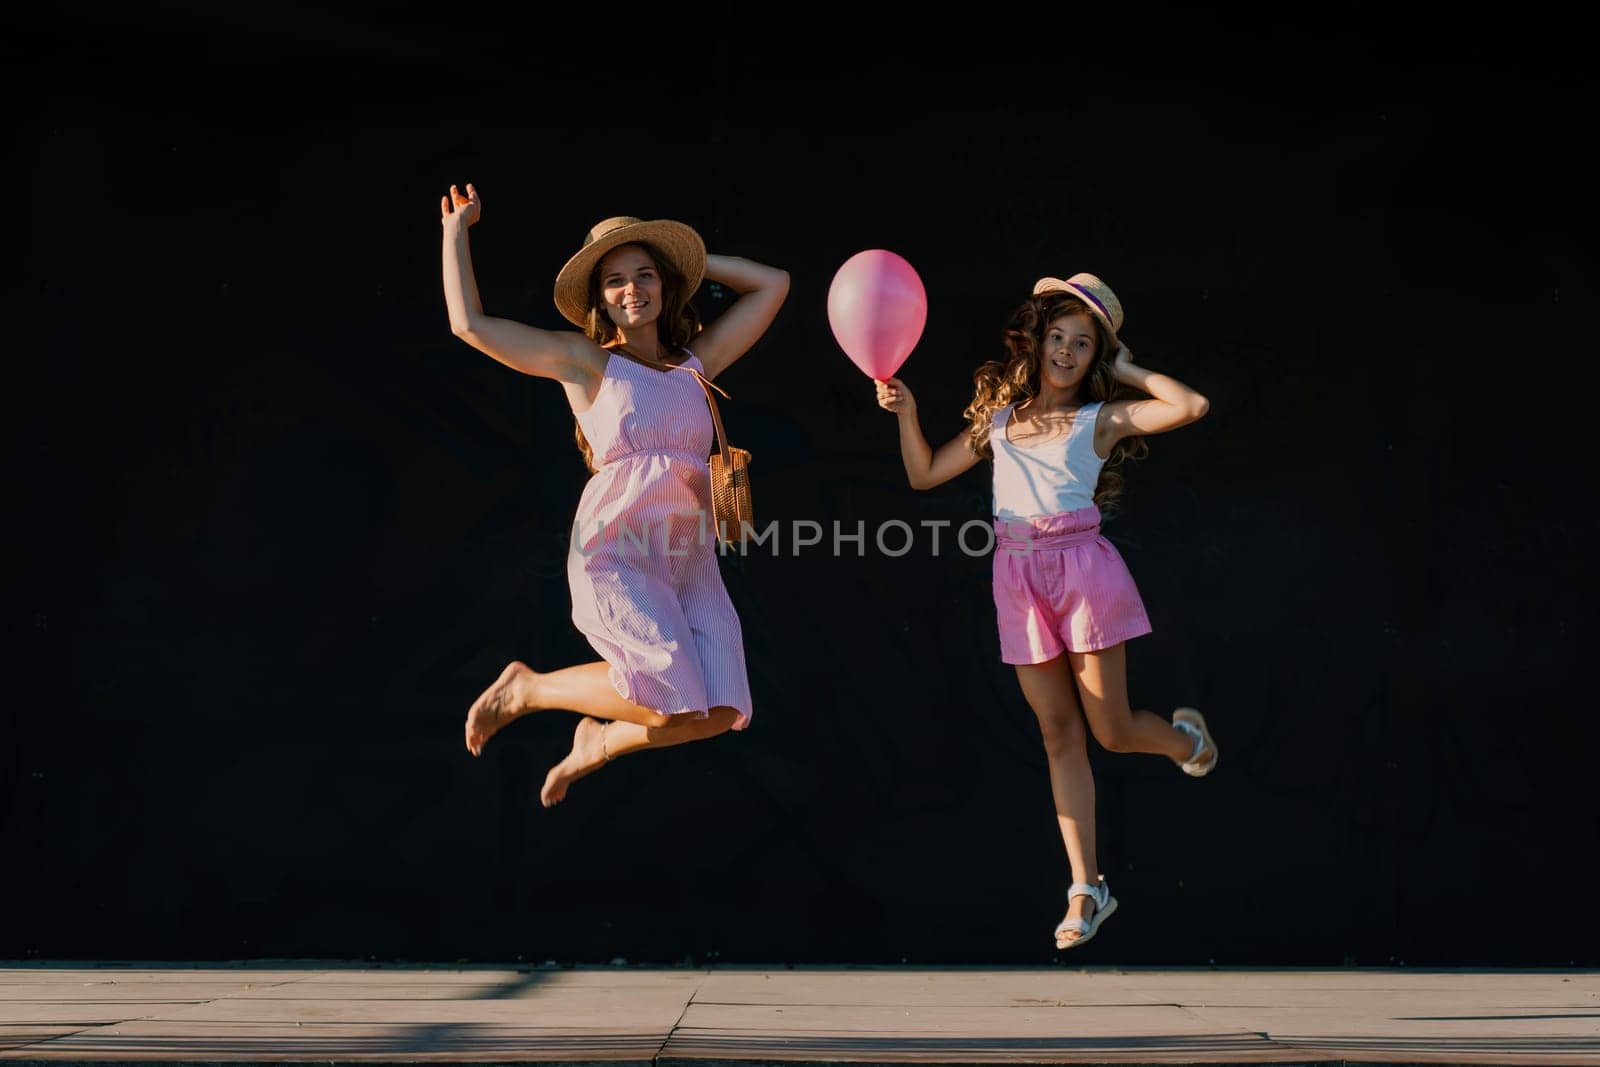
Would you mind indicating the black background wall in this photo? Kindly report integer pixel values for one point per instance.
(275, 527)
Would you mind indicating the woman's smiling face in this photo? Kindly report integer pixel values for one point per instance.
(630, 286)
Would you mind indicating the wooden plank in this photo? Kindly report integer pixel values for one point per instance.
(507, 985)
(20, 1036)
(963, 1034)
(330, 1042)
(639, 1014)
(78, 1014)
(118, 993)
(1003, 988)
(1463, 1033)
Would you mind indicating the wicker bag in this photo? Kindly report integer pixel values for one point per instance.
(730, 479)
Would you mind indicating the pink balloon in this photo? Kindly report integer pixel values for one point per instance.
(877, 308)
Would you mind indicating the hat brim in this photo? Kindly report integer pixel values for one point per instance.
(676, 242)
(1058, 285)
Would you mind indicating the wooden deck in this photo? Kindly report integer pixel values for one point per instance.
(331, 1012)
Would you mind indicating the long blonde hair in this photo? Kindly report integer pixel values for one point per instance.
(1016, 379)
(676, 325)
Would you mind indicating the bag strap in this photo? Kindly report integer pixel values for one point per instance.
(706, 384)
(716, 416)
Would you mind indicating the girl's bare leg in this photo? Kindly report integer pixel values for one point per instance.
(1051, 693)
(595, 743)
(585, 688)
(1103, 688)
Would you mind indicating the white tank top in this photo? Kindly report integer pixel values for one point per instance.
(1047, 479)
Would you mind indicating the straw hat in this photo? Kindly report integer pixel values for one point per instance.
(679, 244)
(1092, 291)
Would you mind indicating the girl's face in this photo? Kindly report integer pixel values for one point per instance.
(630, 287)
(1067, 350)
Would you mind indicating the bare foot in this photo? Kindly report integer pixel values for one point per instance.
(510, 695)
(586, 757)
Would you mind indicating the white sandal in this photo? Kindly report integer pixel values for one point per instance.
(1104, 905)
(1193, 723)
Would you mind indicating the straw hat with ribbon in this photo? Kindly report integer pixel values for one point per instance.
(676, 242)
(1093, 292)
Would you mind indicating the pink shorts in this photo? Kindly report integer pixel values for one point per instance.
(1058, 584)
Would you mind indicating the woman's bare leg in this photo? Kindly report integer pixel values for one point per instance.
(1103, 688)
(1051, 693)
(585, 689)
(596, 743)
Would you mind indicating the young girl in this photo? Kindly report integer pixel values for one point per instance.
(1050, 418)
(646, 590)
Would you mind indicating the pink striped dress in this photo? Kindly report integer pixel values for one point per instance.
(642, 566)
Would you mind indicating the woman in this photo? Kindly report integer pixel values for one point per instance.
(646, 590)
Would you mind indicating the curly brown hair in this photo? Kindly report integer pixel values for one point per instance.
(1016, 379)
(675, 327)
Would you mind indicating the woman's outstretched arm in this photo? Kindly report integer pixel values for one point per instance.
(761, 290)
(565, 355)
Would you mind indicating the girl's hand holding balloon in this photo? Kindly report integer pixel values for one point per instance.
(894, 396)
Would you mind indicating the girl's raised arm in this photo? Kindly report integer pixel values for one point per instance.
(1171, 405)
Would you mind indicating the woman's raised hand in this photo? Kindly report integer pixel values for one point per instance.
(894, 396)
(463, 209)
